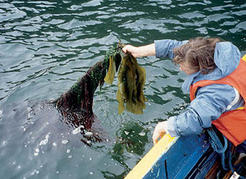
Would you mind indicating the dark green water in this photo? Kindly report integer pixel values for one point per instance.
(45, 46)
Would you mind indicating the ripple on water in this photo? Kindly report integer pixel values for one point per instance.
(10, 13)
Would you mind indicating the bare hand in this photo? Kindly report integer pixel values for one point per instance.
(134, 51)
(159, 131)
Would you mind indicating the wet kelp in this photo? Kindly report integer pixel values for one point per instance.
(131, 80)
(76, 104)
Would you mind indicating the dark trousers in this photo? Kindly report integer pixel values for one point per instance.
(241, 148)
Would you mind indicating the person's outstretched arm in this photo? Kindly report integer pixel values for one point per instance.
(160, 49)
(142, 51)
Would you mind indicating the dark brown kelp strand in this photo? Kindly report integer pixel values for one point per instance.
(76, 104)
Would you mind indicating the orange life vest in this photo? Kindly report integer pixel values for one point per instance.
(232, 124)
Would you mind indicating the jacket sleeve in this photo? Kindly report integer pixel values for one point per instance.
(211, 101)
(164, 48)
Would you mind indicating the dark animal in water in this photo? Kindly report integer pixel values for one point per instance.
(76, 104)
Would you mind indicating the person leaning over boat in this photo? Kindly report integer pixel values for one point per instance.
(212, 102)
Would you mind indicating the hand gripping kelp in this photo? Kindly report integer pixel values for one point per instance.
(76, 104)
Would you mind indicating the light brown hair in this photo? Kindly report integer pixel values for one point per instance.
(198, 52)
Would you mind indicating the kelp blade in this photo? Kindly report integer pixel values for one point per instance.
(109, 78)
(131, 80)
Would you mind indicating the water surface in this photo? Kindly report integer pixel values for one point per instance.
(46, 46)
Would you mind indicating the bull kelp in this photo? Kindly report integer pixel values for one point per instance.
(76, 104)
(131, 80)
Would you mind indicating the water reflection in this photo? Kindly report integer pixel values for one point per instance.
(132, 138)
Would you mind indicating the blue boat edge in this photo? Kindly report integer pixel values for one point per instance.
(178, 157)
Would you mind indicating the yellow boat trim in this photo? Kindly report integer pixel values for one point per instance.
(240, 108)
(244, 58)
(146, 163)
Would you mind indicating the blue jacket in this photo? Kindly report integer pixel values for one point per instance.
(211, 101)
